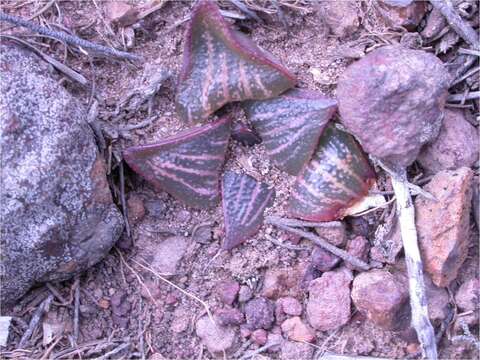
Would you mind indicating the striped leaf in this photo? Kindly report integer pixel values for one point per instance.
(221, 65)
(291, 125)
(337, 176)
(186, 165)
(244, 201)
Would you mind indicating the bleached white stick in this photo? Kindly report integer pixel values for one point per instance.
(418, 297)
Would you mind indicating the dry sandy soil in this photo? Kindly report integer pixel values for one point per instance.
(165, 325)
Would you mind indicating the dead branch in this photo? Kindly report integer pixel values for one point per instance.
(319, 241)
(76, 312)
(418, 298)
(462, 97)
(69, 39)
(42, 309)
(461, 27)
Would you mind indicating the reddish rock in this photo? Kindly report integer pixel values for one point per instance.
(295, 350)
(296, 330)
(456, 145)
(229, 316)
(259, 337)
(259, 313)
(334, 234)
(328, 305)
(244, 294)
(227, 291)
(290, 306)
(407, 15)
(121, 13)
(324, 260)
(383, 298)
(392, 100)
(444, 226)
(358, 247)
(283, 282)
(217, 338)
(245, 332)
(341, 16)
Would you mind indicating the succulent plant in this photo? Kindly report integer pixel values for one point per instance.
(244, 201)
(186, 165)
(221, 65)
(290, 125)
(337, 176)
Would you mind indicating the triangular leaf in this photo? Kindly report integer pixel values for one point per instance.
(244, 201)
(290, 125)
(186, 165)
(221, 65)
(338, 176)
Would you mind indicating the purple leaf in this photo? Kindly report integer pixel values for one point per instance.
(186, 165)
(291, 125)
(244, 201)
(337, 176)
(221, 65)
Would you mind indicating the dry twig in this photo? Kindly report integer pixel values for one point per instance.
(281, 223)
(69, 39)
(460, 26)
(42, 309)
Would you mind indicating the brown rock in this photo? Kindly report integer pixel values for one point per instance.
(444, 226)
(324, 260)
(392, 100)
(456, 145)
(359, 248)
(121, 13)
(216, 338)
(403, 14)
(227, 291)
(229, 316)
(259, 313)
(438, 300)
(164, 257)
(334, 234)
(340, 16)
(290, 306)
(136, 210)
(467, 299)
(259, 337)
(383, 298)
(328, 305)
(296, 330)
(283, 282)
(435, 23)
(295, 350)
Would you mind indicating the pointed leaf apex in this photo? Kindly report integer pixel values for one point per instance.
(221, 65)
(290, 125)
(186, 165)
(244, 202)
(338, 176)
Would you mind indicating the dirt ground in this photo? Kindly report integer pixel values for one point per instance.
(123, 303)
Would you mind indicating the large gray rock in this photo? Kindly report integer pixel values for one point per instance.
(57, 213)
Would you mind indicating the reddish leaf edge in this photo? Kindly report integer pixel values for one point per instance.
(210, 11)
(146, 149)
